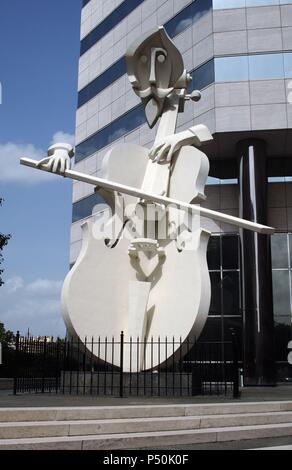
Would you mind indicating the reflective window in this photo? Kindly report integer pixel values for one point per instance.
(215, 307)
(214, 256)
(281, 291)
(288, 64)
(266, 66)
(231, 69)
(113, 73)
(109, 23)
(212, 330)
(225, 310)
(282, 338)
(110, 133)
(230, 252)
(253, 67)
(187, 16)
(223, 256)
(86, 207)
(279, 251)
(203, 75)
(230, 287)
(221, 4)
(290, 249)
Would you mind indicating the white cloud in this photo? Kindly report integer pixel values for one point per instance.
(44, 287)
(63, 137)
(35, 305)
(12, 172)
(13, 284)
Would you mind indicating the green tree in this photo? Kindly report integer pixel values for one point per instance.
(7, 337)
(3, 242)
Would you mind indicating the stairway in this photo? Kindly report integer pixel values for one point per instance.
(134, 427)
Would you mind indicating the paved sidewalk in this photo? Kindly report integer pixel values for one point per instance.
(253, 394)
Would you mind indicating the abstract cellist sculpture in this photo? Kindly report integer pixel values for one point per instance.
(142, 267)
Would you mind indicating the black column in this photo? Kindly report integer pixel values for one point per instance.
(257, 294)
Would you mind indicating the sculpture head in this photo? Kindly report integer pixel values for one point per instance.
(155, 69)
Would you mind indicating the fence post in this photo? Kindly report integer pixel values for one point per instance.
(122, 365)
(236, 392)
(16, 362)
(44, 365)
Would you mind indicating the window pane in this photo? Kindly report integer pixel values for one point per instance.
(230, 252)
(279, 245)
(231, 68)
(85, 207)
(282, 337)
(121, 126)
(212, 330)
(232, 325)
(266, 66)
(281, 293)
(215, 307)
(203, 76)
(288, 64)
(218, 4)
(255, 3)
(187, 16)
(230, 287)
(290, 249)
(213, 254)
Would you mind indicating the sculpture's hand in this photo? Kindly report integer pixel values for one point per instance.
(59, 158)
(164, 151)
(57, 163)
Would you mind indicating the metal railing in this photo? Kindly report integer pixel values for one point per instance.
(155, 367)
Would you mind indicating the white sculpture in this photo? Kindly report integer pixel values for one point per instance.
(147, 275)
(290, 353)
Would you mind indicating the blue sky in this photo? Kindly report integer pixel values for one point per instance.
(39, 49)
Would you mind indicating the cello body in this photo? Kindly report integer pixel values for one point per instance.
(146, 287)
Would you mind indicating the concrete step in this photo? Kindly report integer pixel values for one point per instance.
(139, 411)
(122, 426)
(146, 440)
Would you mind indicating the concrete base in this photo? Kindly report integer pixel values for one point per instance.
(142, 384)
(6, 384)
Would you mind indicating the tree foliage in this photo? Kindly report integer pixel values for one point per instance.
(7, 337)
(3, 242)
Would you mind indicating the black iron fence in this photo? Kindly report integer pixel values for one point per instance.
(162, 367)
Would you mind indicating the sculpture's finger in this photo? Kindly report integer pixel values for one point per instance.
(49, 165)
(62, 166)
(43, 161)
(56, 164)
(154, 150)
(162, 153)
(159, 154)
(170, 153)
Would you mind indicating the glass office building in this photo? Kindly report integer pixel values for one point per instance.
(239, 53)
